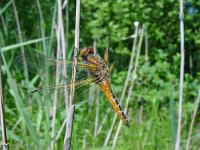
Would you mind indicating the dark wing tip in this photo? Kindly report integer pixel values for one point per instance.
(128, 125)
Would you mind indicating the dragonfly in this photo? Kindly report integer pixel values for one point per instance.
(97, 68)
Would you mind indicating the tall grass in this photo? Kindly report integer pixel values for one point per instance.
(153, 123)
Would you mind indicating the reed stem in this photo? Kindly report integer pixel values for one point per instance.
(3, 117)
(20, 40)
(69, 126)
(58, 73)
(130, 88)
(192, 122)
(178, 137)
(146, 44)
(97, 99)
(126, 82)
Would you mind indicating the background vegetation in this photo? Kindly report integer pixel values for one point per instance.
(154, 102)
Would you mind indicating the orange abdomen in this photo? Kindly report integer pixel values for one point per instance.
(106, 88)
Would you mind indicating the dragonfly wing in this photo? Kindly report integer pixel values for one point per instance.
(38, 63)
(46, 67)
(45, 96)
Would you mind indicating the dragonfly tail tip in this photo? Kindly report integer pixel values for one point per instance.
(127, 124)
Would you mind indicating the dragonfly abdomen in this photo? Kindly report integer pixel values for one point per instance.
(101, 73)
(106, 88)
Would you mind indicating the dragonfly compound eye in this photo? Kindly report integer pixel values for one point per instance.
(86, 51)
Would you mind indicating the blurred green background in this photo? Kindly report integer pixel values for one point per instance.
(154, 101)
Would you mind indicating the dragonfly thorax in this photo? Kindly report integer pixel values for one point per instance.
(98, 67)
(100, 72)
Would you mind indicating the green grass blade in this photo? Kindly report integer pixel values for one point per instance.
(5, 7)
(14, 46)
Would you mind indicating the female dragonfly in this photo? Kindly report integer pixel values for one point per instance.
(95, 65)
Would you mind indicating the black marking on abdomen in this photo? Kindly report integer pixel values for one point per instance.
(121, 110)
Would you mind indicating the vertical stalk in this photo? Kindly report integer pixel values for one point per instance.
(55, 92)
(4, 24)
(146, 43)
(53, 22)
(76, 45)
(178, 137)
(20, 40)
(126, 82)
(2, 113)
(69, 127)
(97, 114)
(42, 26)
(130, 88)
(97, 100)
(61, 53)
(84, 141)
(192, 122)
(62, 33)
(64, 57)
(67, 25)
(103, 121)
(63, 47)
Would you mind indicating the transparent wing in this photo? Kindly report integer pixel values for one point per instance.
(46, 67)
(47, 95)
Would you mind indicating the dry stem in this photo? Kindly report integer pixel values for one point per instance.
(192, 122)
(68, 136)
(178, 137)
(126, 82)
(2, 113)
(55, 92)
(131, 87)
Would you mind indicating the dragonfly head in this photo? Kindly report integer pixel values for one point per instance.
(86, 51)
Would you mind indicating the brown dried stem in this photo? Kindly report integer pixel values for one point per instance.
(126, 82)
(97, 100)
(2, 113)
(69, 127)
(192, 122)
(178, 137)
(146, 43)
(131, 87)
(55, 92)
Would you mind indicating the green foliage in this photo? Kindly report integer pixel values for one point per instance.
(115, 18)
